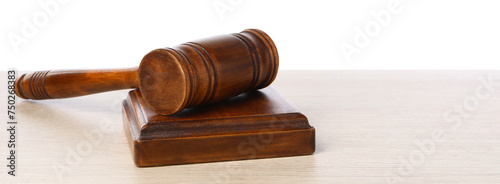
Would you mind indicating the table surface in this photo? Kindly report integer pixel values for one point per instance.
(371, 127)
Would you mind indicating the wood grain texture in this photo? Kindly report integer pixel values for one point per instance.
(72, 83)
(256, 124)
(191, 74)
(207, 70)
(364, 120)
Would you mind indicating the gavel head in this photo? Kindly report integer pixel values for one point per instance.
(207, 70)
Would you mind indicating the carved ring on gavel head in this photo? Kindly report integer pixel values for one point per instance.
(171, 79)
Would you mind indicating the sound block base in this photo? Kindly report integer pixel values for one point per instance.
(257, 124)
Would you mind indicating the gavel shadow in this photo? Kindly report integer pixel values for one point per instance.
(77, 114)
(70, 116)
(41, 115)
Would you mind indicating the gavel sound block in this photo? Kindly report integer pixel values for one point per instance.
(256, 124)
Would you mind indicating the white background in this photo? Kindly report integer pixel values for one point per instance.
(423, 34)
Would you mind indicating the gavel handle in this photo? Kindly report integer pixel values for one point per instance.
(72, 83)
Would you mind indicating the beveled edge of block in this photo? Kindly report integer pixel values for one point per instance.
(288, 118)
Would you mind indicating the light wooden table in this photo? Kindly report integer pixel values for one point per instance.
(369, 125)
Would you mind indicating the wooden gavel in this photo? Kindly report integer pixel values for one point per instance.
(171, 79)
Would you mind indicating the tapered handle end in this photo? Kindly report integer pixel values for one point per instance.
(31, 86)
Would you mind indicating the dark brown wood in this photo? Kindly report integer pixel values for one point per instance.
(257, 124)
(73, 83)
(171, 79)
